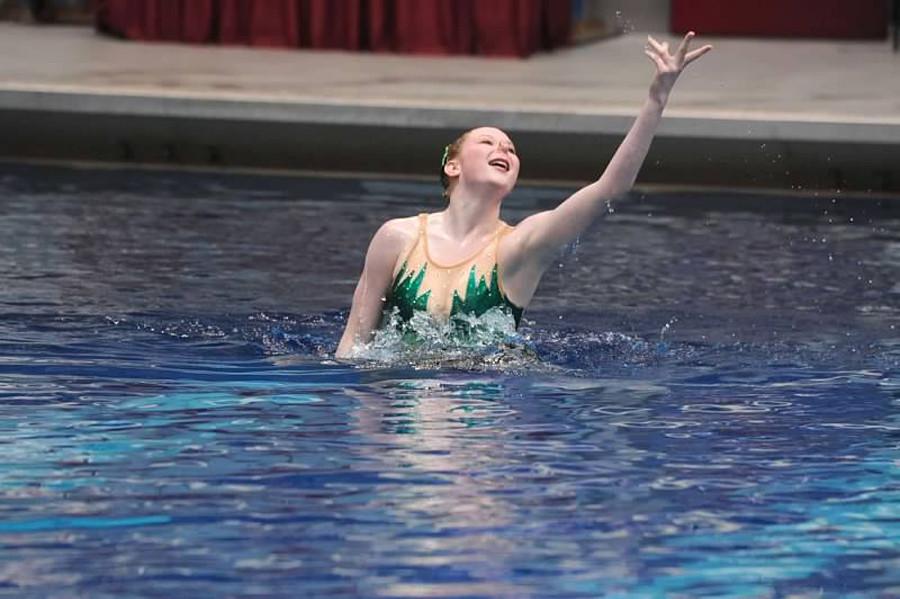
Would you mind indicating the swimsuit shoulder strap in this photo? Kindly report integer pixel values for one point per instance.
(420, 241)
(501, 233)
(504, 230)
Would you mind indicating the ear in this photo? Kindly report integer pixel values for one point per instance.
(451, 169)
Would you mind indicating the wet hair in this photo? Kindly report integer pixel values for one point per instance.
(451, 151)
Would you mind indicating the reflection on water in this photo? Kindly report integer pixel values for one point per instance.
(702, 402)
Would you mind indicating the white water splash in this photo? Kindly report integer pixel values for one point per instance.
(465, 340)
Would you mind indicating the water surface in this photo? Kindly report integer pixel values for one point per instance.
(704, 402)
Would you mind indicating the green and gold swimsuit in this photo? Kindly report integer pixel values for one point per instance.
(470, 287)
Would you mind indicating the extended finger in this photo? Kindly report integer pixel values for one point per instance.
(656, 45)
(683, 47)
(656, 59)
(695, 54)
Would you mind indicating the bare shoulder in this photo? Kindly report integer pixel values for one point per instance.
(391, 240)
(396, 232)
(404, 226)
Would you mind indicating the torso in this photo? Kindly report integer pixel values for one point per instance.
(472, 285)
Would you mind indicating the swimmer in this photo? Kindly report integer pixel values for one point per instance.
(465, 260)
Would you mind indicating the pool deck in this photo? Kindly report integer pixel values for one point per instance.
(773, 113)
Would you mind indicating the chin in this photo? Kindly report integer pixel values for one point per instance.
(510, 182)
(505, 186)
(503, 178)
(495, 181)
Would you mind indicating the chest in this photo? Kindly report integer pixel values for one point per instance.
(471, 285)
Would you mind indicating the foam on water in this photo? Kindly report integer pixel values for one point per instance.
(425, 338)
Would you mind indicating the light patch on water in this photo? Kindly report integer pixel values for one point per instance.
(269, 562)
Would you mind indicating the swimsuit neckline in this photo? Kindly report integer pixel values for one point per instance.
(423, 233)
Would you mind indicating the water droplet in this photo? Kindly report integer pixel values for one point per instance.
(667, 327)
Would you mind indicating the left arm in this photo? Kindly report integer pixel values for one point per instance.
(539, 237)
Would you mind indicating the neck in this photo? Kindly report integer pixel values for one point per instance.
(471, 214)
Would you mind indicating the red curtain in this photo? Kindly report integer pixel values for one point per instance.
(556, 18)
(272, 23)
(332, 24)
(494, 28)
(785, 18)
(512, 27)
(197, 21)
(377, 29)
(507, 27)
(150, 20)
(433, 26)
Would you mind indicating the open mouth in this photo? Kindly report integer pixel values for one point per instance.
(500, 164)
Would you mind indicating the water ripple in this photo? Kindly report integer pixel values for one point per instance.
(709, 412)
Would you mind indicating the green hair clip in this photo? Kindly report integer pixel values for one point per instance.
(446, 154)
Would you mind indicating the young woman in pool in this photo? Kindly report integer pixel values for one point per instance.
(465, 260)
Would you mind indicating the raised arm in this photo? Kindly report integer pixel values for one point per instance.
(542, 235)
(372, 288)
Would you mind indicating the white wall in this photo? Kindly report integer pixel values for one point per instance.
(632, 15)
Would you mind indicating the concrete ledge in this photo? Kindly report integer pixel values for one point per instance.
(715, 125)
(220, 133)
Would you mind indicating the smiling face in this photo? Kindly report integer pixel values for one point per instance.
(482, 156)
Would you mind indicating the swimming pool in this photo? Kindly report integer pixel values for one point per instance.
(713, 409)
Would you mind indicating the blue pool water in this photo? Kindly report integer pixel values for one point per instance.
(703, 401)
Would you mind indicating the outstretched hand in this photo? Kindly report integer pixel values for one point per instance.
(669, 66)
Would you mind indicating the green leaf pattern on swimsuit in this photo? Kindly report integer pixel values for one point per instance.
(405, 292)
(480, 295)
